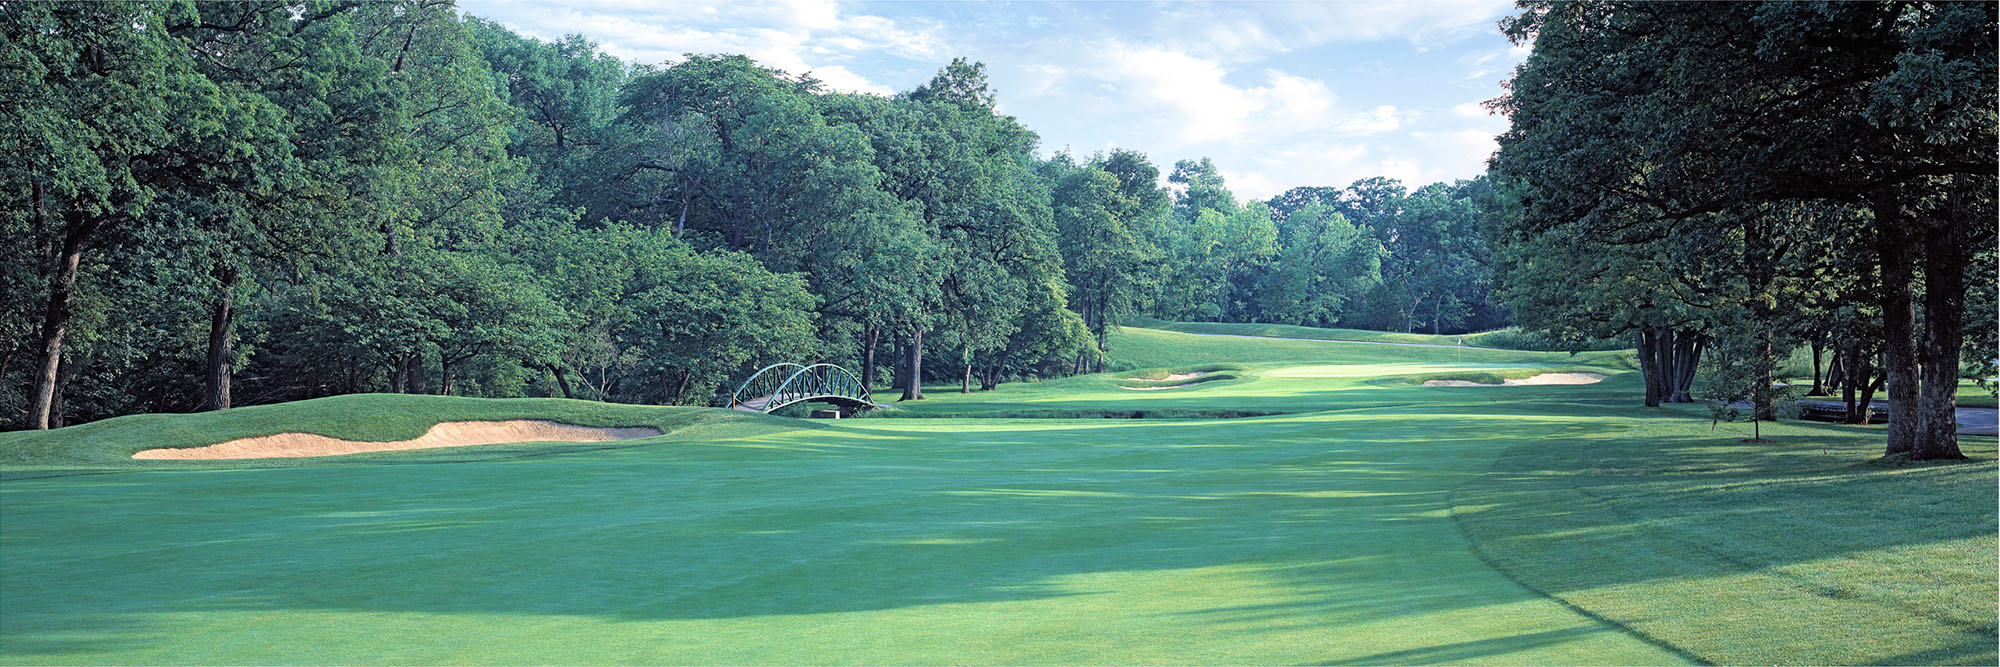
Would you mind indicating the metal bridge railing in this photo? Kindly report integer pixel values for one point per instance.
(781, 384)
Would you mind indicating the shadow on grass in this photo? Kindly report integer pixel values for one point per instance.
(1331, 519)
(1679, 516)
(875, 515)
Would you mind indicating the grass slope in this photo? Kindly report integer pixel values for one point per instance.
(1370, 521)
(109, 444)
(1513, 339)
(1137, 347)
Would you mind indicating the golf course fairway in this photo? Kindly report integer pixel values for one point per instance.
(1312, 503)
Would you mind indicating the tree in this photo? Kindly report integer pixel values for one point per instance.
(565, 98)
(1882, 106)
(114, 119)
(1102, 220)
(1324, 264)
(1739, 373)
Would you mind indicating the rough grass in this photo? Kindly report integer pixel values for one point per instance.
(1371, 522)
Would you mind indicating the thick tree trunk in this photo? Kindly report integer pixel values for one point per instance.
(562, 380)
(1944, 333)
(1649, 365)
(1868, 397)
(63, 372)
(1437, 312)
(991, 378)
(56, 318)
(221, 335)
(1666, 362)
(1818, 387)
(899, 371)
(869, 339)
(1899, 343)
(399, 376)
(914, 391)
(1688, 359)
(419, 378)
(444, 369)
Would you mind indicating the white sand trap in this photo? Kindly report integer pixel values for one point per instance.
(1175, 377)
(447, 434)
(1545, 378)
(1171, 378)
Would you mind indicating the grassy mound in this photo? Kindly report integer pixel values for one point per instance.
(109, 444)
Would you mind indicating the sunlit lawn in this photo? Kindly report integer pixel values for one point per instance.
(1373, 521)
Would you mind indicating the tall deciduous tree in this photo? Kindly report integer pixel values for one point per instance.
(1653, 120)
(113, 124)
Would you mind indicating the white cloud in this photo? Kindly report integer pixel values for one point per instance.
(1243, 32)
(1209, 108)
(1278, 94)
(1380, 119)
(1425, 24)
(793, 35)
(1457, 153)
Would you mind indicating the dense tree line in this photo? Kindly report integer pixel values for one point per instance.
(218, 204)
(1727, 182)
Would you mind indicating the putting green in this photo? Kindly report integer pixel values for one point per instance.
(1373, 522)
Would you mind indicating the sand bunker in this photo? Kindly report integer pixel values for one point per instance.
(447, 434)
(1545, 378)
(1176, 377)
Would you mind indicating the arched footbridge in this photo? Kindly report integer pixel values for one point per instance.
(778, 385)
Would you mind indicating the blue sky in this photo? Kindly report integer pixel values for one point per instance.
(1278, 94)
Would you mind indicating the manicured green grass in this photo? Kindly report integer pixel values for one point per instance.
(1369, 521)
(1971, 395)
(1797, 369)
(1797, 551)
